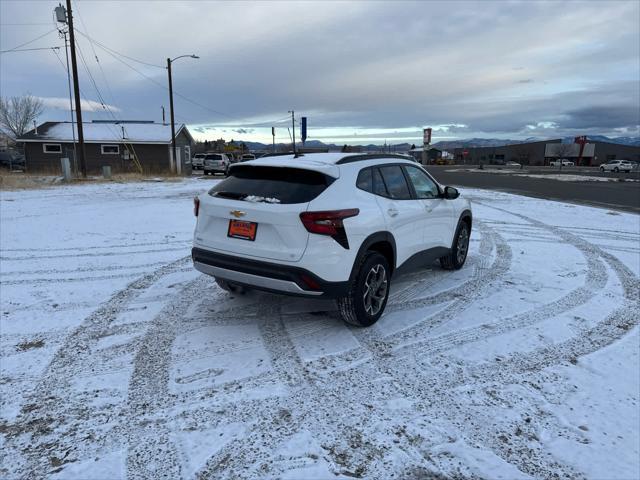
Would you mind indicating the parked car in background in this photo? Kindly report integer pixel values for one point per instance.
(329, 225)
(617, 166)
(197, 162)
(563, 162)
(248, 157)
(12, 160)
(216, 163)
(513, 164)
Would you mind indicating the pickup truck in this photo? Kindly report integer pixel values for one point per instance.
(565, 163)
(197, 162)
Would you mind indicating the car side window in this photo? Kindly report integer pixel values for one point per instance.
(379, 187)
(365, 180)
(395, 182)
(422, 184)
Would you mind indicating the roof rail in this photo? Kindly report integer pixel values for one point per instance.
(371, 156)
(279, 154)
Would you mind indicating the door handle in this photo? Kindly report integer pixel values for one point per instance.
(392, 212)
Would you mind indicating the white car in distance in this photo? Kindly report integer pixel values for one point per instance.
(197, 162)
(330, 225)
(563, 162)
(617, 166)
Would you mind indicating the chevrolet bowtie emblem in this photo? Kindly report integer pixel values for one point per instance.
(237, 213)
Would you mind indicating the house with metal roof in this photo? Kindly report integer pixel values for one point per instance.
(125, 146)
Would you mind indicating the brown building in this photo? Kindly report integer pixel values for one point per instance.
(125, 146)
(541, 153)
(532, 153)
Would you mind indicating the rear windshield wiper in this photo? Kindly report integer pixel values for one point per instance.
(232, 195)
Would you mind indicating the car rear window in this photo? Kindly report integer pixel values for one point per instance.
(272, 184)
(213, 157)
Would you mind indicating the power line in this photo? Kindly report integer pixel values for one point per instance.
(111, 50)
(20, 24)
(95, 55)
(30, 41)
(114, 54)
(30, 49)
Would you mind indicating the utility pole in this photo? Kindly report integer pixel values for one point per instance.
(173, 125)
(163, 120)
(76, 91)
(273, 136)
(293, 124)
(73, 130)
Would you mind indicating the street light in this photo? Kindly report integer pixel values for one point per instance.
(173, 125)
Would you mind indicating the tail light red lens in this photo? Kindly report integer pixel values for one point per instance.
(329, 223)
(196, 206)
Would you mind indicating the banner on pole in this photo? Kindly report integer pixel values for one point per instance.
(304, 128)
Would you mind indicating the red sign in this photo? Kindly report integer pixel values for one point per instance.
(465, 152)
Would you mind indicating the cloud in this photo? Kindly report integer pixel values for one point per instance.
(61, 103)
(243, 130)
(602, 116)
(356, 66)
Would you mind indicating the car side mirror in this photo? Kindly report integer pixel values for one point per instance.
(451, 193)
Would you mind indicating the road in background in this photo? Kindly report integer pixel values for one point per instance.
(617, 195)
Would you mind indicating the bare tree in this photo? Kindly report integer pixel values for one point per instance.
(562, 151)
(17, 113)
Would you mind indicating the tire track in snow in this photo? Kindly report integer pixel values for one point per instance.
(595, 280)
(275, 426)
(454, 294)
(388, 361)
(101, 254)
(151, 451)
(505, 371)
(96, 247)
(97, 268)
(48, 406)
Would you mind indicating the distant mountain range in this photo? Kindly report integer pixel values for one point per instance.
(443, 145)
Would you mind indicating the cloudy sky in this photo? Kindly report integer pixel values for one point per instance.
(360, 71)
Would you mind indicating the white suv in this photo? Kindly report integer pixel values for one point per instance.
(215, 163)
(617, 166)
(328, 226)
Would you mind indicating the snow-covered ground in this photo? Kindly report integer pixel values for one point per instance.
(118, 360)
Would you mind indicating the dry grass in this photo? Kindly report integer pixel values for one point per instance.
(25, 181)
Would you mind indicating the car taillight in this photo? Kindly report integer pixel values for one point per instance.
(329, 223)
(196, 206)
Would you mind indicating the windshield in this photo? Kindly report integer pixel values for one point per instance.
(271, 184)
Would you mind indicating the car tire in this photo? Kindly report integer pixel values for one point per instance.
(368, 293)
(602, 169)
(617, 170)
(231, 287)
(459, 250)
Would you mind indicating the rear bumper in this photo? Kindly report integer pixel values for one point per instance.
(271, 277)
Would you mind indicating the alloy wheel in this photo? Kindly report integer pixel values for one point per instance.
(463, 245)
(375, 289)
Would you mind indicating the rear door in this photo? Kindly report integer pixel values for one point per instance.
(403, 214)
(263, 202)
(438, 212)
